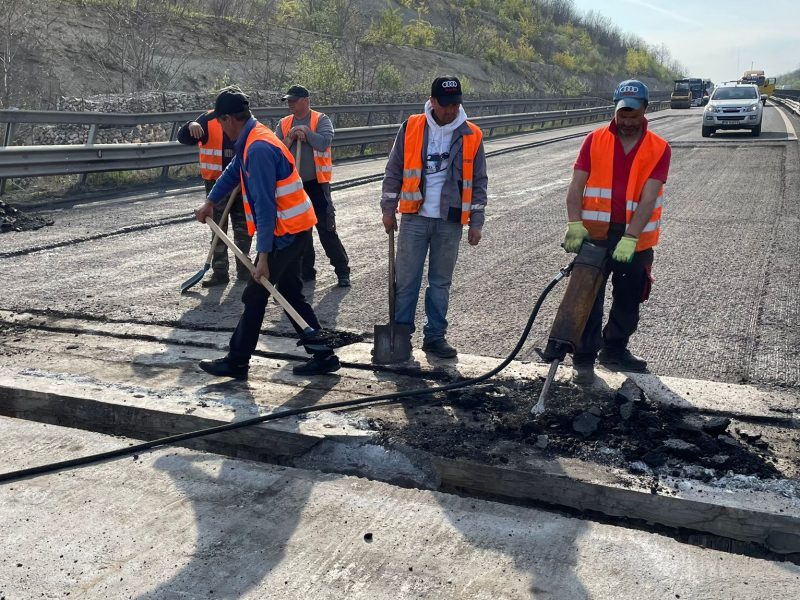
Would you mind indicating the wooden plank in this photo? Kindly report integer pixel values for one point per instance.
(258, 442)
(779, 533)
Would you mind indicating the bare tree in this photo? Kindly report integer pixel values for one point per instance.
(135, 53)
(19, 35)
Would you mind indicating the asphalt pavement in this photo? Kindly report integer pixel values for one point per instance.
(724, 306)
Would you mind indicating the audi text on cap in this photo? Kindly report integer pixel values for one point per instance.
(295, 92)
(631, 93)
(446, 90)
(230, 101)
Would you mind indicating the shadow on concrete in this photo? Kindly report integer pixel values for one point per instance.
(550, 539)
(242, 529)
(173, 356)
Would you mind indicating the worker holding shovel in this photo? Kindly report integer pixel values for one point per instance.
(216, 151)
(277, 207)
(436, 178)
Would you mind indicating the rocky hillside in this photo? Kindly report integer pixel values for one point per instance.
(78, 48)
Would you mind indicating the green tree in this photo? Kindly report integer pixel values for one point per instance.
(322, 68)
(388, 29)
(388, 78)
(419, 33)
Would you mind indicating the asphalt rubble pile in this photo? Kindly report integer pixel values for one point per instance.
(13, 219)
(621, 428)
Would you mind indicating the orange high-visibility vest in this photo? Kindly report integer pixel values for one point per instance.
(211, 152)
(596, 209)
(410, 194)
(295, 211)
(323, 161)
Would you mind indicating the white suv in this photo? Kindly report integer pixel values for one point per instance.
(734, 106)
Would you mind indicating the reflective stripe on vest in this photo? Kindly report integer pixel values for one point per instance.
(596, 206)
(410, 192)
(323, 161)
(211, 152)
(295, 213)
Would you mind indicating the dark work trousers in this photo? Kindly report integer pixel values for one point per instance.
(219, 263)
(284, 274)
(630, 287)
(320, 194)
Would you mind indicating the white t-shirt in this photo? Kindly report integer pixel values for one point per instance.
(437, 160)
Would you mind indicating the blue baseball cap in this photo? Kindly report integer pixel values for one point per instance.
(631, 93)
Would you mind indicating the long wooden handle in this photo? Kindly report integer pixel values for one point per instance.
(245, 260)
(297, 154)
(222, 220)
(392, 281)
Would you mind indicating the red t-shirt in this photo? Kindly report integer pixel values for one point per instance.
(622, 168)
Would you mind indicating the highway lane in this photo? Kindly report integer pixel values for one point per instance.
(724, 307)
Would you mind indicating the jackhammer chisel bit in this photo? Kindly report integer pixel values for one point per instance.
(586, 275)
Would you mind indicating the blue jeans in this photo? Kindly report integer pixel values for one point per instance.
(420, 237)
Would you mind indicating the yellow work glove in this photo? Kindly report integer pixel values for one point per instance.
(626, 246)
(574, 237)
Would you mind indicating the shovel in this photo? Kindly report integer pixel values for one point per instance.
(392, 341)
(311, 338)
(195, 279)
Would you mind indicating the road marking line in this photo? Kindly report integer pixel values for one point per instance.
(790, 132)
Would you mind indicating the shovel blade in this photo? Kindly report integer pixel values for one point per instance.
(195, 279)
(392, 344)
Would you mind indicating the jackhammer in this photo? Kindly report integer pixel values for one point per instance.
(586, 276)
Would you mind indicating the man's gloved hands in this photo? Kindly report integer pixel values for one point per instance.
(574, 237)
(626, 246)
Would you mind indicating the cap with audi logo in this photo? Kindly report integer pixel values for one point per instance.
(446, 90)
(631, 93)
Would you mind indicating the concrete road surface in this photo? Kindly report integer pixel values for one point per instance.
(181, 524)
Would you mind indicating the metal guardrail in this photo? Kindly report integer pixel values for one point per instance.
(789, 99)
(35, 161)
(787, 94)
(14, 116)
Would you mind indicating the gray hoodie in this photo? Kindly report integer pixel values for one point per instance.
(450, 205)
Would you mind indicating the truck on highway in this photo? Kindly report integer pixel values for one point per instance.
(689, 92)
(766, 85)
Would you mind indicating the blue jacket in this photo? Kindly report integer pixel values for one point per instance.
(265, 166)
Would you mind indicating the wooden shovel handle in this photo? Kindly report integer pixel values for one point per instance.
(297, 154)
(222, 220)
(392, 282)
(245, 260)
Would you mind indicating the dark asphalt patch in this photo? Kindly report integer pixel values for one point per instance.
(13, 219)
(624, 430)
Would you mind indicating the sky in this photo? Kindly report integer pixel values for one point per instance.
(715, 39)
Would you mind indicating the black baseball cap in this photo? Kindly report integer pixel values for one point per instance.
(295, 92)
(230, 101)
(446, 90)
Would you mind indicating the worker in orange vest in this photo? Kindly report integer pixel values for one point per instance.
(615, 200)
(216, 151)
(436, 178)
(313, 130)
(279, 211)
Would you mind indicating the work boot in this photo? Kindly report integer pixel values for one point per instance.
(621, 360)
(344, 280)
(222, 367)
(242, 274)
(216, 279)
(583, 373)
(439, 348)
(309, 276)
(318, 365)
